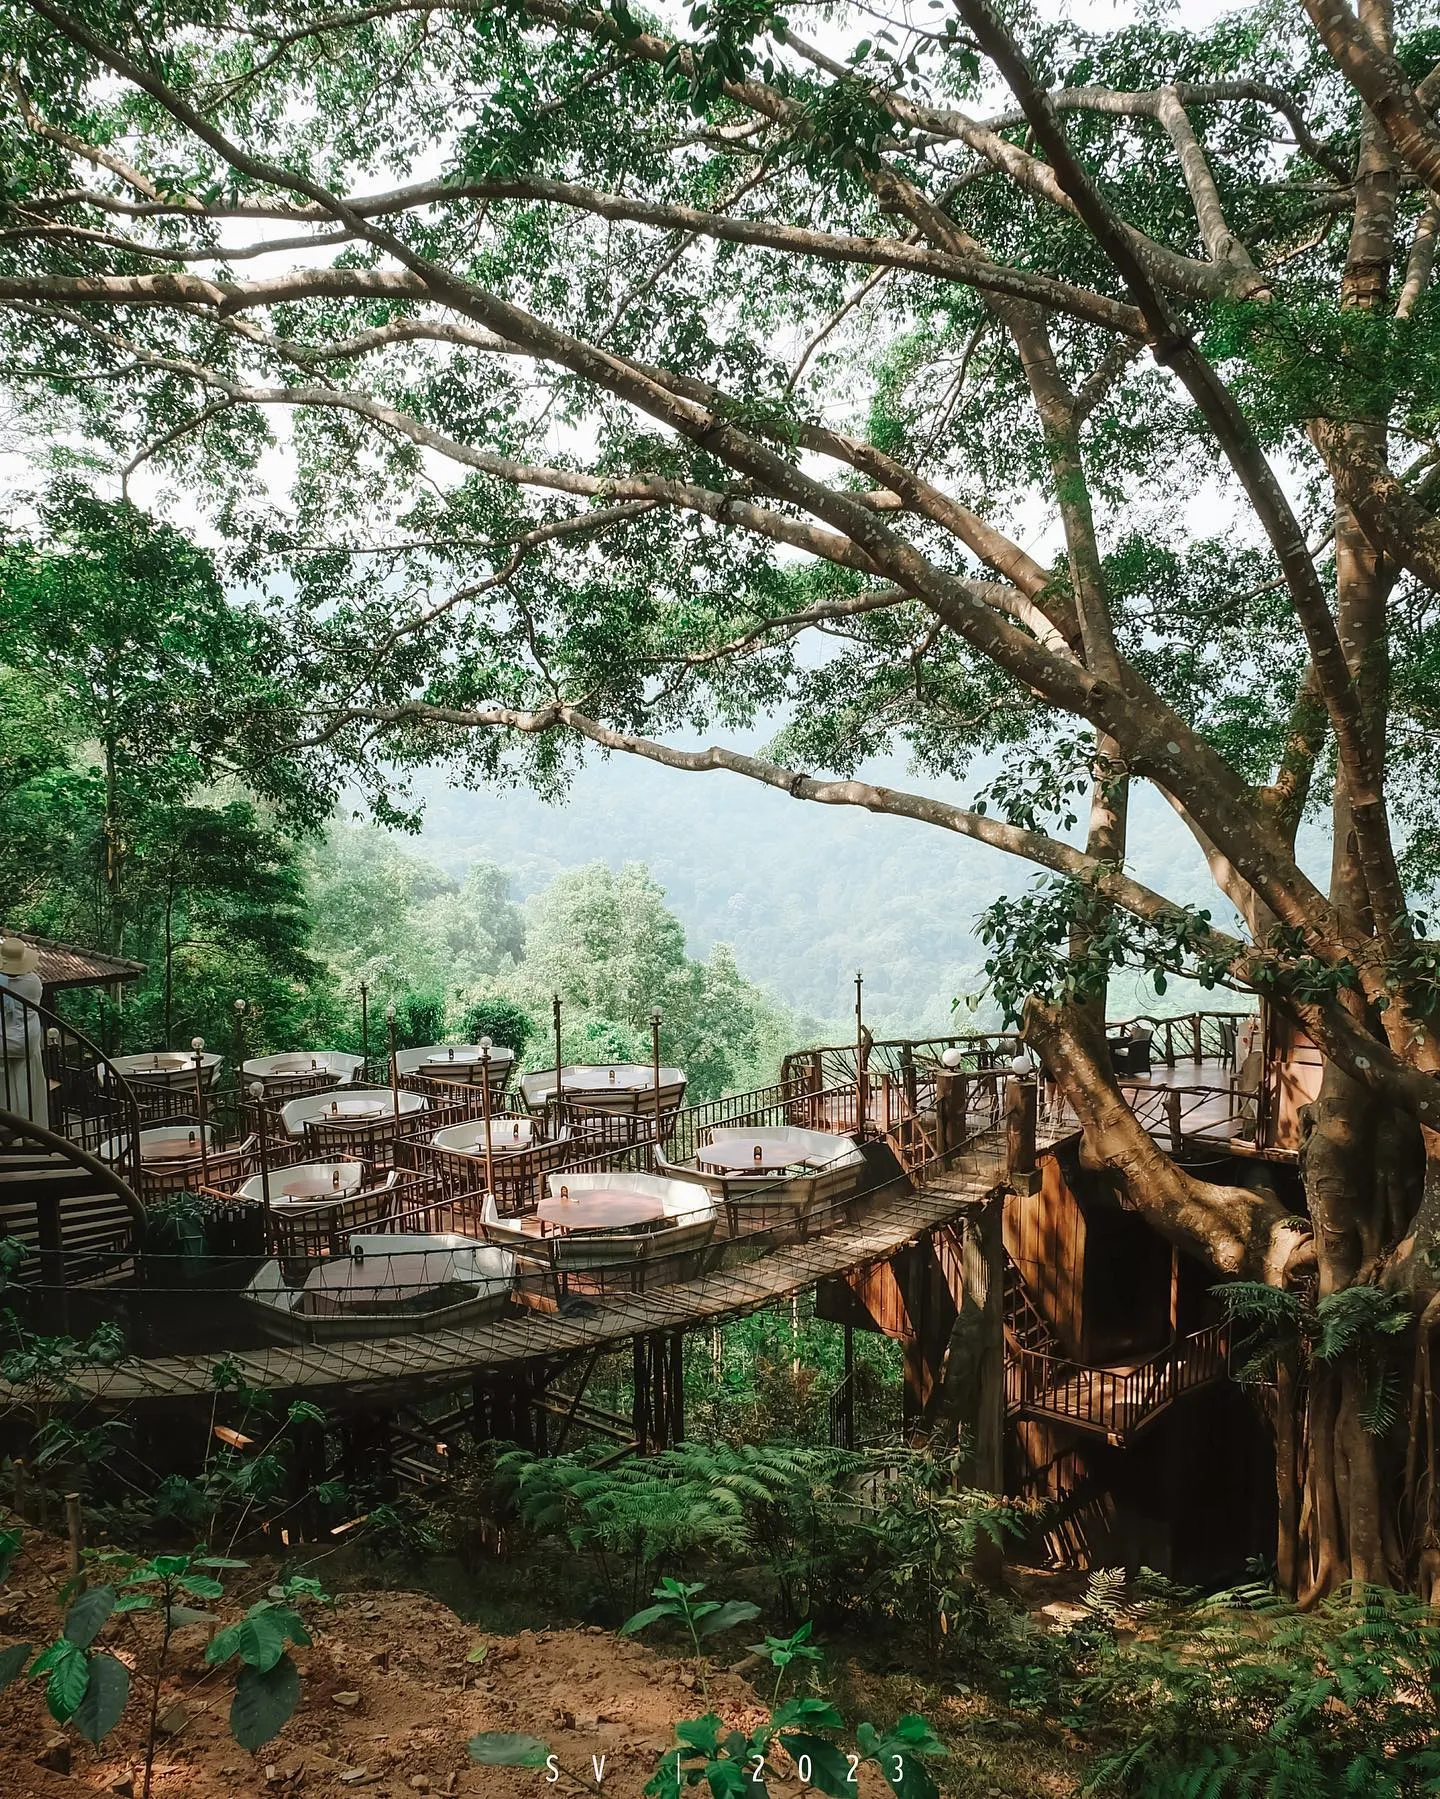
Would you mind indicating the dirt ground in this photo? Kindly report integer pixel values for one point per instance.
(390, 1695)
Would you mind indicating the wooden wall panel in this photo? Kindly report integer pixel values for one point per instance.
(1293, 1069)
(1045, 1235)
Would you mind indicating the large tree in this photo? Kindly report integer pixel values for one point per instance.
(639, 376)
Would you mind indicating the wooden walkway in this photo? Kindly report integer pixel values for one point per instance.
(358, 1372)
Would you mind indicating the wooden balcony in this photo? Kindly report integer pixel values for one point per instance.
(1116, 1402)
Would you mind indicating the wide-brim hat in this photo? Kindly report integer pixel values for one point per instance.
(17, 956)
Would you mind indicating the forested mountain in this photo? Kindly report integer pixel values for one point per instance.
(804, 895)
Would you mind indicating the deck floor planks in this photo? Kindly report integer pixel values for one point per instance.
(424, 1360)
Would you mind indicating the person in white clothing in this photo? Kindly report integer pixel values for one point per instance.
(24, 1089)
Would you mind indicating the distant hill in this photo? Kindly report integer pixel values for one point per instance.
(804, 894)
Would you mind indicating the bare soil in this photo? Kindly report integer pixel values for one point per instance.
(390, 1696)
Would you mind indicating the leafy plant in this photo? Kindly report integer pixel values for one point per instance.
(755, 1500)
(88, 1687)
(783, 1652)
(925, 1528)
(679, 1602)
(735, 1765)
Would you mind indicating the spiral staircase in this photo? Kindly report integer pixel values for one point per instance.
(69, 1214)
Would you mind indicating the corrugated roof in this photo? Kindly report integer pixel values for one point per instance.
(66, 965)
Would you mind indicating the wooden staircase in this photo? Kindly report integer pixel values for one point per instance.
(75, 1220)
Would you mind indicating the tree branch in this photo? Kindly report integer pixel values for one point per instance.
(1382, 84)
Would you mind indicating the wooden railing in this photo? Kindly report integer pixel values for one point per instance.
(905, 1060)
(1117, 1401)
(1190, 1037)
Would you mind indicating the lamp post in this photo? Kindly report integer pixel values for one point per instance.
(655, 1064)
(559, 1065)
(485, 1113)
(197, 1044)
(365, 1027)
(862, 1073)
(240, 1010)
(257, 1094)
(394, 1065)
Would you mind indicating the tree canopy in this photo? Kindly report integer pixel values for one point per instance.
(634, 376)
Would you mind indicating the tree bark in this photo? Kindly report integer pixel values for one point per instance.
(1243, 1235)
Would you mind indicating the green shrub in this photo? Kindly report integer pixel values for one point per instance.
(502, 1021)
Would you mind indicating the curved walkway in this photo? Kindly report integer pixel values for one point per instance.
(414, 1364)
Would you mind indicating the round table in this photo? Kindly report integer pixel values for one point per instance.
(732, 1159)
(504, 1140)
(181, 1146)
(378, 1282)
(358, 1111)
(309, 1186)
(601, 1209)
(167, 1068)
(734, 1153)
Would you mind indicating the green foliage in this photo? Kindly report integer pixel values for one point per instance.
(679, 1602)
(923, 1528)
(733, 1764)
(888, 1535)
(1359, 1327)
(502, 1021)
(89, 1687)
(1255, 1697)
(1062, 940)
(754, 1500)
(782, 1653)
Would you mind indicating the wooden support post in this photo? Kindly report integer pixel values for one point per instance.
(1172, 1114)
(1022, 1103)
(640, 1409)
(677, 1392)
(1196, 1045)
(75, 1530)
(846, 1421)
(920, 1371)
(945, 1135)
(817, 1087)
(909, 1080)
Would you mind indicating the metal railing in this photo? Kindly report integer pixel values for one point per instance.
(831, 1064)
(54, 1076)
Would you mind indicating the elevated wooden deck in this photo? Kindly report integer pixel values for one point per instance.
(354, 1373)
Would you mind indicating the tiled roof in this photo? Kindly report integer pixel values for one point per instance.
(66, 965)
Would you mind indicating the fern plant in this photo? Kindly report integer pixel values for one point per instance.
(1359, 1325)
(1248, 1696)
(754, 1502)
